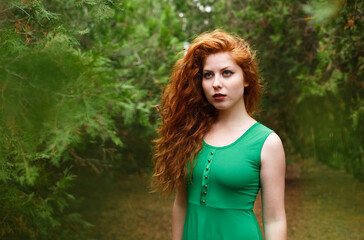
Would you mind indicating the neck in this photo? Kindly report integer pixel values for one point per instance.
(235, 116)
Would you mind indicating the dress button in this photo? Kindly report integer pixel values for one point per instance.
(206, 176)
(207, 168)
(212, 153)
(205, 193)
(205, 186)
(203, 201)
(209, 160)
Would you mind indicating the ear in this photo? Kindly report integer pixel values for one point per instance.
(246, 83)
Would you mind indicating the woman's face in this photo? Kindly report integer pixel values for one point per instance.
(223, 82)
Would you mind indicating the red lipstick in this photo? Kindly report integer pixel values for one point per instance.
(218, 96)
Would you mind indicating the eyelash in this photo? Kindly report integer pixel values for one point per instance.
(207, 75)
(226, 73)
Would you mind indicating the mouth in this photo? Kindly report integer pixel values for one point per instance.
(218, 96)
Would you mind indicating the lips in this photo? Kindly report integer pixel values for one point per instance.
(218, 96)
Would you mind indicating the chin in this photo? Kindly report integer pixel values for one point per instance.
(219, 107)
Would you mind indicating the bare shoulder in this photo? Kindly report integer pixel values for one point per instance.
(272, 148)
(273, 142)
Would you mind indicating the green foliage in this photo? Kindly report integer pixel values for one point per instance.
(79, 80)
(59, 89)
(337, 86)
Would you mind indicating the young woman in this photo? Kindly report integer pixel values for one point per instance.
(211, 151)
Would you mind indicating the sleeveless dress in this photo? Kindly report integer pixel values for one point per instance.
(220, 198)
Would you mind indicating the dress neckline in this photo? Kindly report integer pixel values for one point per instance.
(233, 143)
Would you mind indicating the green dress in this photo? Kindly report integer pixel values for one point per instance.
(221, 195)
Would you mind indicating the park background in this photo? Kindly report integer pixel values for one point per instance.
(79, 81)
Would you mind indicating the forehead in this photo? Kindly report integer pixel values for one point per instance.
(219, 60)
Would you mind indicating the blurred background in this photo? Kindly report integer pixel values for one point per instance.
(79, 81)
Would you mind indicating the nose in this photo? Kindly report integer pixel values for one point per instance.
(216, 84)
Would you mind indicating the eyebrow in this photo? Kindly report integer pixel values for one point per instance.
(224, 68)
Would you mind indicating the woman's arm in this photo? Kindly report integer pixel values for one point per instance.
(272, 177)
(179, 212)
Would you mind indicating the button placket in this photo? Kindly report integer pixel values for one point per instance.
(206, 177)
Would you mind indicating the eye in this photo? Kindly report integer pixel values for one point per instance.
(227, 73)
(207, 75)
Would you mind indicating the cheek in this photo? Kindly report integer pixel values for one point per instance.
(237, 89)
(236, 85)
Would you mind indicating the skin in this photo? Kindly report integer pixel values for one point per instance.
(221, 75)
(179, 212)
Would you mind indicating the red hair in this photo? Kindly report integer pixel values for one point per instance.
(185, 112)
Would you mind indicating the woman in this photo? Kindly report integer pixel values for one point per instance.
(211, 151)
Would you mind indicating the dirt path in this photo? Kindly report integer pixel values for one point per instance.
(321, 203)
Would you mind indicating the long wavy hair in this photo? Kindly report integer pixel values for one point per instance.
(186, 114)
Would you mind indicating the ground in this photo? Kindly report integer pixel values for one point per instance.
(321, 203)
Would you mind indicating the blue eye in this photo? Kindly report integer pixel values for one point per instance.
(227, 73)
(207, 75)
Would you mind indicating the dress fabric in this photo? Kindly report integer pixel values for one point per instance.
(222, 192)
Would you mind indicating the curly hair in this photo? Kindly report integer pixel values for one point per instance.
(186, 114)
